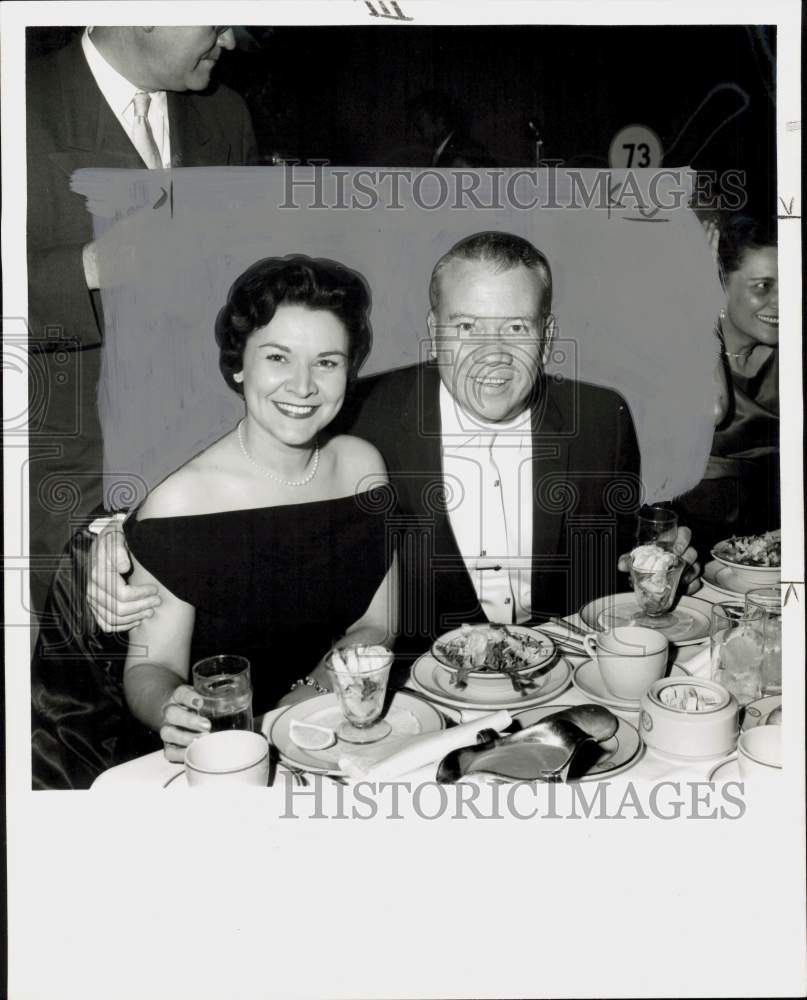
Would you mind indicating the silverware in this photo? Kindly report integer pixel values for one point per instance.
(572, 628)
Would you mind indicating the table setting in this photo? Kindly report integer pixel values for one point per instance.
(645, 685)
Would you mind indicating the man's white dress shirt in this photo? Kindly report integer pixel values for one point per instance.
(487, 469)
(119, 95)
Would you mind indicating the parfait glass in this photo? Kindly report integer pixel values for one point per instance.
(654, 590)
(737, 642)
(361, 695)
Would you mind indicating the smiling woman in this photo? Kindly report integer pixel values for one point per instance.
(739, 493)
(251, 542)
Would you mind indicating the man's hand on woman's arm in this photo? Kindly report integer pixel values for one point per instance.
(116, 605)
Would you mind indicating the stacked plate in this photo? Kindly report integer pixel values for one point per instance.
(436, 683)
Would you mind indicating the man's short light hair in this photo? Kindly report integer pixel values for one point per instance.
(502, 251)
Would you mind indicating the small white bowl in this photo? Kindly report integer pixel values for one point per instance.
(693, 735)
(232, 756)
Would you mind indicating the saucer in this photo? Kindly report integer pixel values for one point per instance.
(691, 617)
(588, 681)
(756, 714)
(726, 770)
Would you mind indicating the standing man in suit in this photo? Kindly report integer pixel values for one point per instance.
(120, 97)
(516, 493)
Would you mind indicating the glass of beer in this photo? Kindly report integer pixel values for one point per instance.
(226, 689)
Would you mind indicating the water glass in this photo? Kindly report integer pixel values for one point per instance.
(656, 525)
(226, 689)
(737, 638)
(770, 600)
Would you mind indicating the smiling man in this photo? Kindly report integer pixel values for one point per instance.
(516, 491)
(121, 97)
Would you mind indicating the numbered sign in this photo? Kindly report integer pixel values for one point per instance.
(635, 146)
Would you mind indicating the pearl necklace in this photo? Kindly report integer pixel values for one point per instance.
(269, 473)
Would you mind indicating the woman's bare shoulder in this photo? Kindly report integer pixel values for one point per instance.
(358, 460)
(177, 495)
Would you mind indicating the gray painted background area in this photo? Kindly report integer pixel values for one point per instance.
(636, 296)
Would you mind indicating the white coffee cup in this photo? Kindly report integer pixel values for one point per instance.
(630, 658)
(759, 752)
(229, 757)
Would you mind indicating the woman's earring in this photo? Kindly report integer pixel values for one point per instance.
(238, 377)
(722, 313)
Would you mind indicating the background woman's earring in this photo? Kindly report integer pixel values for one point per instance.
(238, 377)
(722, 313)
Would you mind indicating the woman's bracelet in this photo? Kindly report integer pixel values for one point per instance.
(311, 683)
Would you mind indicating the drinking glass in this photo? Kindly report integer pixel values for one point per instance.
(361, 698)
(770, 600)
(224, 684)
(656, 525)
(737, 638)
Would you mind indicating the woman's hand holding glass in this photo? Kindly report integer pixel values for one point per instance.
(182, 721)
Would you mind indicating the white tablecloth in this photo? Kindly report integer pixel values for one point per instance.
(154, 771)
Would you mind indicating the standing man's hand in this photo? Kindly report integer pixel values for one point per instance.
(691, 577)
(116, 606)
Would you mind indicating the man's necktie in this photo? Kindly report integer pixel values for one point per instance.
(142, 136)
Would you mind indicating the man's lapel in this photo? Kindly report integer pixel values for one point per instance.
(195, 141)
(93, 136)
(550, 497)
(425, 493)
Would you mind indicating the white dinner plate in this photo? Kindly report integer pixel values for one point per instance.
(407, 714)
(756, 714)
(725, 770)
(724, 580)
(429, 678)
(692, 616)
(617, 754)
(588, 681)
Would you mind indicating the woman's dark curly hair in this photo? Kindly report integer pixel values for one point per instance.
(315, 283)
(739, 235)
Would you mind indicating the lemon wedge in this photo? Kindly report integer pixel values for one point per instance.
(307, 736)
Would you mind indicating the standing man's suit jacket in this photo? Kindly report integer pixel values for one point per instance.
(70, 126)
(585, 490)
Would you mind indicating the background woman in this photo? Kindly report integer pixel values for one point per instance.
(271, 543)
(739, 493)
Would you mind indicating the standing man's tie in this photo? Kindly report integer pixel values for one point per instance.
(142, 136)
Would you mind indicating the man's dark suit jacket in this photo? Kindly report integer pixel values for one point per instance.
(70, 126)
(586, 489)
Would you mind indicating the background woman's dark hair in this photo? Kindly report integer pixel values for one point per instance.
(738, 235)
(316, 283)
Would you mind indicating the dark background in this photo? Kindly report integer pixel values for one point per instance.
(340, 93)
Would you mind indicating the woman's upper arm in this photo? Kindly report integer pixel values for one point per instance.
(165, 638)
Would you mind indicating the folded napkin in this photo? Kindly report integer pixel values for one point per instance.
(699, 665)
(393, 758)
